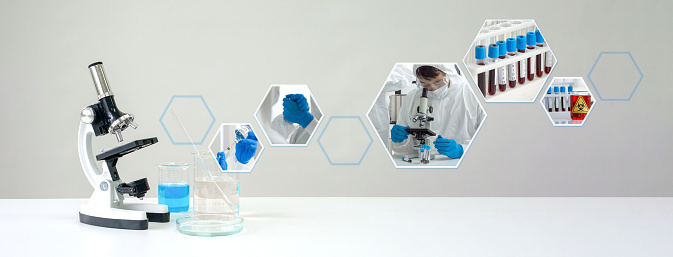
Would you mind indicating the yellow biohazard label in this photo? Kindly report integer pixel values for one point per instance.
(580, 106)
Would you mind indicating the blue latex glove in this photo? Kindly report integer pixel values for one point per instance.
(448, 147)
(221, 160)
(397, 134)
(295, 110)
(251, 135)
(245, 149)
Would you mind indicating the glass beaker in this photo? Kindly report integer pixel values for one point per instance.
(215, 192)
(174, 185)
(215, 201)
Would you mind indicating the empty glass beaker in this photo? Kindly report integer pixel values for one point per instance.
(174, 185)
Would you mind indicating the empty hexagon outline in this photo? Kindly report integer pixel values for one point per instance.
(634, 88)
(531, 96)
(466, 149)
(363, 127)
(210, 126)
(546, 110)
(261, 150)
(266, 135)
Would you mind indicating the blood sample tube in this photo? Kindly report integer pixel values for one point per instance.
(547, 55)
(564, 103)
(530, 64)
(550, 100)
(521, 48)
(511, 51)
(493, 53)
(502, 70)
(538, 59)
(557, 99)
(570, 90)
(480, 55)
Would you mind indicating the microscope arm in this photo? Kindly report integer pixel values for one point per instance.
(86, 158)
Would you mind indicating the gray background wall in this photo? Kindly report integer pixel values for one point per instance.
(231, 51)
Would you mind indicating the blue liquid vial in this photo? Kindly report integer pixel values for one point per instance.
(175, 196)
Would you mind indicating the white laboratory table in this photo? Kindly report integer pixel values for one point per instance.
(440, 162)
(364, 227)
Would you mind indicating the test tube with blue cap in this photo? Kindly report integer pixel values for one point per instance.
(563, 99)
(502, 70)
(530, 65)
(570, 90)
(550, 100)
(480, 55)
(521, 48)
(511, 51)
(557, 99)
(493, 54)
(538, 59)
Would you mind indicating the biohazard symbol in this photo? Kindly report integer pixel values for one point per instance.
(580, 106)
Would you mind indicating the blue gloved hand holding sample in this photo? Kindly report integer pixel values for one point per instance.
(448, 147)
(296, 110)
(397, 134)
(221, 160)
(246, 148)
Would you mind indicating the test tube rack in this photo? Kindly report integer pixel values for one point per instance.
(501, 30)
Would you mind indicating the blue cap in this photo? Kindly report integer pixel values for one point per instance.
(511, 45)
(480, 52)
(502, 47)
(493, 51)
(530, 38)
(563, 89)
(538, 36)
(521, 42)
(570, 89)
(549, 90)
(555, 89)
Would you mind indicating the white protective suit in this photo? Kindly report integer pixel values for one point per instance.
(456, 112)
(284, 132)
(400, 77)
(234, 164)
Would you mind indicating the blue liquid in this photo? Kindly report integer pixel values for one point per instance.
(175, 196)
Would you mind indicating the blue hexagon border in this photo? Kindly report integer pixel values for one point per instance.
(204, 135)
(634, 88)
(363, 127)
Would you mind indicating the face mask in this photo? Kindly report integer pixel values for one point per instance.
(439, 92)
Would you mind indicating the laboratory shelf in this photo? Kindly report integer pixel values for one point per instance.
(364, 226)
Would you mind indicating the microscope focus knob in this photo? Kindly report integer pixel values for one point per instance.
(87, 115)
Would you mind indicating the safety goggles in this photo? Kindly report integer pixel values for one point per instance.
(434, 84)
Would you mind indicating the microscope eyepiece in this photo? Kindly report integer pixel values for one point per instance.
(100, 80)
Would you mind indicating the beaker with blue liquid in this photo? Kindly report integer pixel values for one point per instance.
(175, 185)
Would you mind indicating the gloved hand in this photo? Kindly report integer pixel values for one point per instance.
(397, 134)
(221, 160)
(251, 135)
(246, 148)
(296, 110)
(448, 147)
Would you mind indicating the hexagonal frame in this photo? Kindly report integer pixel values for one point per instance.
(544, 108)
(261, 151)
(289, 145)
(615, 99)
(542, 85)
(363, 127)
(465, 150)
(169, 134)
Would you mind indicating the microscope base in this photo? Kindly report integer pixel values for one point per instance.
(107, 209)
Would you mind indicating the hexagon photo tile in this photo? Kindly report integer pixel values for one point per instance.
(426, 115)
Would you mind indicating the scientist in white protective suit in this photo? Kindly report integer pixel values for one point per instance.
(295, 124)
(456, 112)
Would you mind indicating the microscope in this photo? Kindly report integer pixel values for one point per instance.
(421, 133)
(106, 207)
